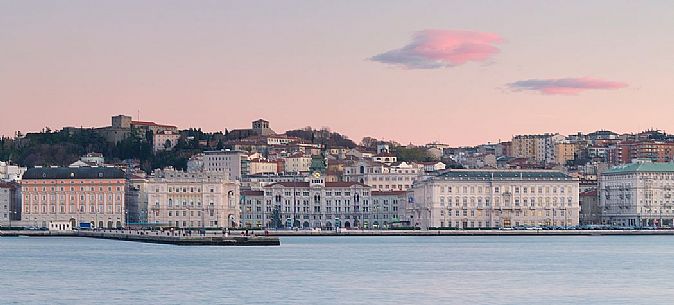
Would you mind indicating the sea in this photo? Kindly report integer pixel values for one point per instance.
(342, 270)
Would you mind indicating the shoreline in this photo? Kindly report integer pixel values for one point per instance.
(474, 233)
(155, 237)
(271, 237)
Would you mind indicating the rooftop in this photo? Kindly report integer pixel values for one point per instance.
(145, 123)
(649, 167)
(504, 174)
(306, 184)
(73, 173)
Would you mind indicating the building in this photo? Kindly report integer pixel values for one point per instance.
(637, 195)
(259, 128)
(297, 163)
(388, 209)
(590, 212)
(164, 140)
(85, 196)
(319, 204)
(226, 162)
(538, 148)
(564, 151)
(195, 163)
(9, 172)
(627, 151)
(137, 200)
(436, 166)
(495, 198)
(9, 204)
(124, 126)
(385, 157)
(258, 181)
(93, 158)
(383, 177)
(261, 166)
(90, 159)
(192, 200)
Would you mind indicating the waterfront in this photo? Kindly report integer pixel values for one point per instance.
(366, 270)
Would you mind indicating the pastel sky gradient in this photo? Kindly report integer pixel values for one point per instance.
(458, 72)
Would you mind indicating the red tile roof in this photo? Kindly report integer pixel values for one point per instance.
(146, 123)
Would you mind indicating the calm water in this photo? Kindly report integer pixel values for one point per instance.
(330, 270)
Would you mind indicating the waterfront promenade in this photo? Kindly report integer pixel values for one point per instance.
(270, 237)
(181, 238)
(468, 232)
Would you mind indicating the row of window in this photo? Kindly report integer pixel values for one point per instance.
(71, 188)
(498, 189)
(43, 209)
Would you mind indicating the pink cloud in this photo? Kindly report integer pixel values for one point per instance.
(432, 49)
(566, 86)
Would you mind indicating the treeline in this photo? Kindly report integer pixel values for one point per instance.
(64, 147)
(323, 136)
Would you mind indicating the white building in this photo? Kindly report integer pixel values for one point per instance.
(385, 157)
(9, 172)
(164, 140)
(433, 166)
(320, 204)
(496, 198)
(297, 163)
(227, 162)
(195, 163)
(637, 195)
(261, 166)
(192, 200)
(93, 159)
(8, 204)
(383, 177)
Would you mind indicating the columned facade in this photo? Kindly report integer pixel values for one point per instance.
(467, 199)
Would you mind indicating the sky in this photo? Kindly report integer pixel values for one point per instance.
(454, 72)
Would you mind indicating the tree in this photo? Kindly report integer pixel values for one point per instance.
(411, 154)
(369, 142)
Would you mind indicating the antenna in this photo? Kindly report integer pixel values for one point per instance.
(138, 116)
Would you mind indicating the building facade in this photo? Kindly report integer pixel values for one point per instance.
(9, 205)
(260, 166)
(164, 140)
(9, 172)
(383, 177)
(319, 204)
(496, 198)
(590, 212)
(297, 163)
(637, 195)
(192, 199)
(136, 200)
(225, 162)
(85, 196)
(539, 148)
